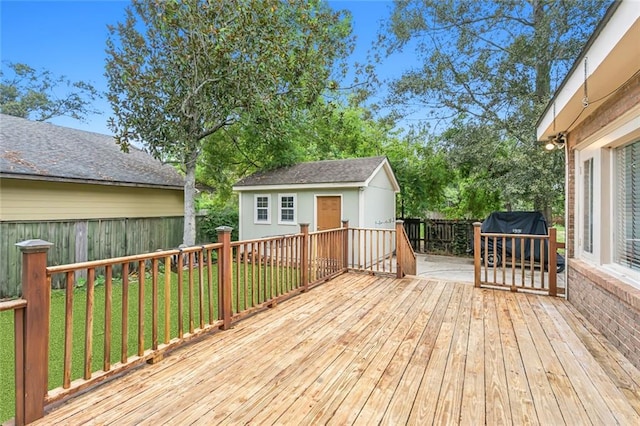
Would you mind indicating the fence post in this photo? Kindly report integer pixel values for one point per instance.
(224, 236)
(399, 249)
(36, 290)
(345, 244)
(553, 262)
(476, 253)
(304, 256)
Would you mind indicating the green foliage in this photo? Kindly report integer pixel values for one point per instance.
(180, 72)
(224, 216)
(487, 71)
(40, 95)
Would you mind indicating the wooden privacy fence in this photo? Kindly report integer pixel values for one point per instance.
(161, 300)
(82, 240)
(518, 262)
(440, 236)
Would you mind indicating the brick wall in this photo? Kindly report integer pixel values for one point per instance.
(599, 116)
(611, 305)
(571, 199)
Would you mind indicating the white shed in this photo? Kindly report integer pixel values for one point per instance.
(320, 193)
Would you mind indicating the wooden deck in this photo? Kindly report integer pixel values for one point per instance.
(370, 350)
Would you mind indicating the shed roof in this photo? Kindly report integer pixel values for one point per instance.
(346, 172)
(44, 151)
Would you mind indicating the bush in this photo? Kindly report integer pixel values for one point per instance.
(226, 216)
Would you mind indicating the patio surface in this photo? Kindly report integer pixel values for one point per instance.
(365, 349)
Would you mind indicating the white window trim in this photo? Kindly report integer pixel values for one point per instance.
(623, 273)
(603, 197)
(582, 157)
(295, 210)
(255, 209)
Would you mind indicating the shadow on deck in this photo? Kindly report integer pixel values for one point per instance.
(368, 350)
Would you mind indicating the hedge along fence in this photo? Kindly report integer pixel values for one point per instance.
(85, 240)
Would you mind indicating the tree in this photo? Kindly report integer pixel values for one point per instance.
(180, 72)
(493, 65)
(28, 93)
(330, 130)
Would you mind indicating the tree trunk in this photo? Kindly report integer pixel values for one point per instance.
(544, 207)
(543, 65)
(189, 233)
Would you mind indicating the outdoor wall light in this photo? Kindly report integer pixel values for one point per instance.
(556, 141)
(550, 145)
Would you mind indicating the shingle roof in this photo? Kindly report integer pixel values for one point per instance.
(34, 149)
(354, 170)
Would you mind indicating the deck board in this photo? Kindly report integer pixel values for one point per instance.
(362, 349)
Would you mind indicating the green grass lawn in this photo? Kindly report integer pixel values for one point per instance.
(560, 233)
(56, 352)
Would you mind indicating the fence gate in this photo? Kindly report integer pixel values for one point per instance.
(440, 236)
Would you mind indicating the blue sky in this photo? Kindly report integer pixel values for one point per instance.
(68, 38)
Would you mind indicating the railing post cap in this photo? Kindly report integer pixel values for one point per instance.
(477, 224)
(34, 245)
(224, 229)
(399, 221)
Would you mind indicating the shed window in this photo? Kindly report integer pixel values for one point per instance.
(287, 208)
(262, 210)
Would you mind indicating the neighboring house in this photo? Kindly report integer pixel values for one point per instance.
(321, 193)
(79, 191)
(600, 120)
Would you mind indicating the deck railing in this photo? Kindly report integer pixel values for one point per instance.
(19, 313)
(518, 262)
(406, 255)
(130, 310)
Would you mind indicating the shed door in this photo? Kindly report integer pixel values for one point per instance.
(329, 213)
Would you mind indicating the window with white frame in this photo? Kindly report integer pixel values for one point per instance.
(627, 206)
(587, 214)
(286, 208)
(262, 213)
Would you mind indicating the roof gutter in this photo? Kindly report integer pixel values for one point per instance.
(86, 181)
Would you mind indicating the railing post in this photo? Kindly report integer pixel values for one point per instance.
(224, 237)
(399, 250)
(304, 256)
(476, 253)
(345, 244)
(37, 292)
(553, 262)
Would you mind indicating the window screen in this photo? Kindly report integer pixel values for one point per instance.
(287, 208)
(587, 231)
(627, 235)
(262, 209)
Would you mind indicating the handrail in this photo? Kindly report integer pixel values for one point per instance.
(10, 305)
(406, 255)
(166, 298)
(491, 260)
(128, 259)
